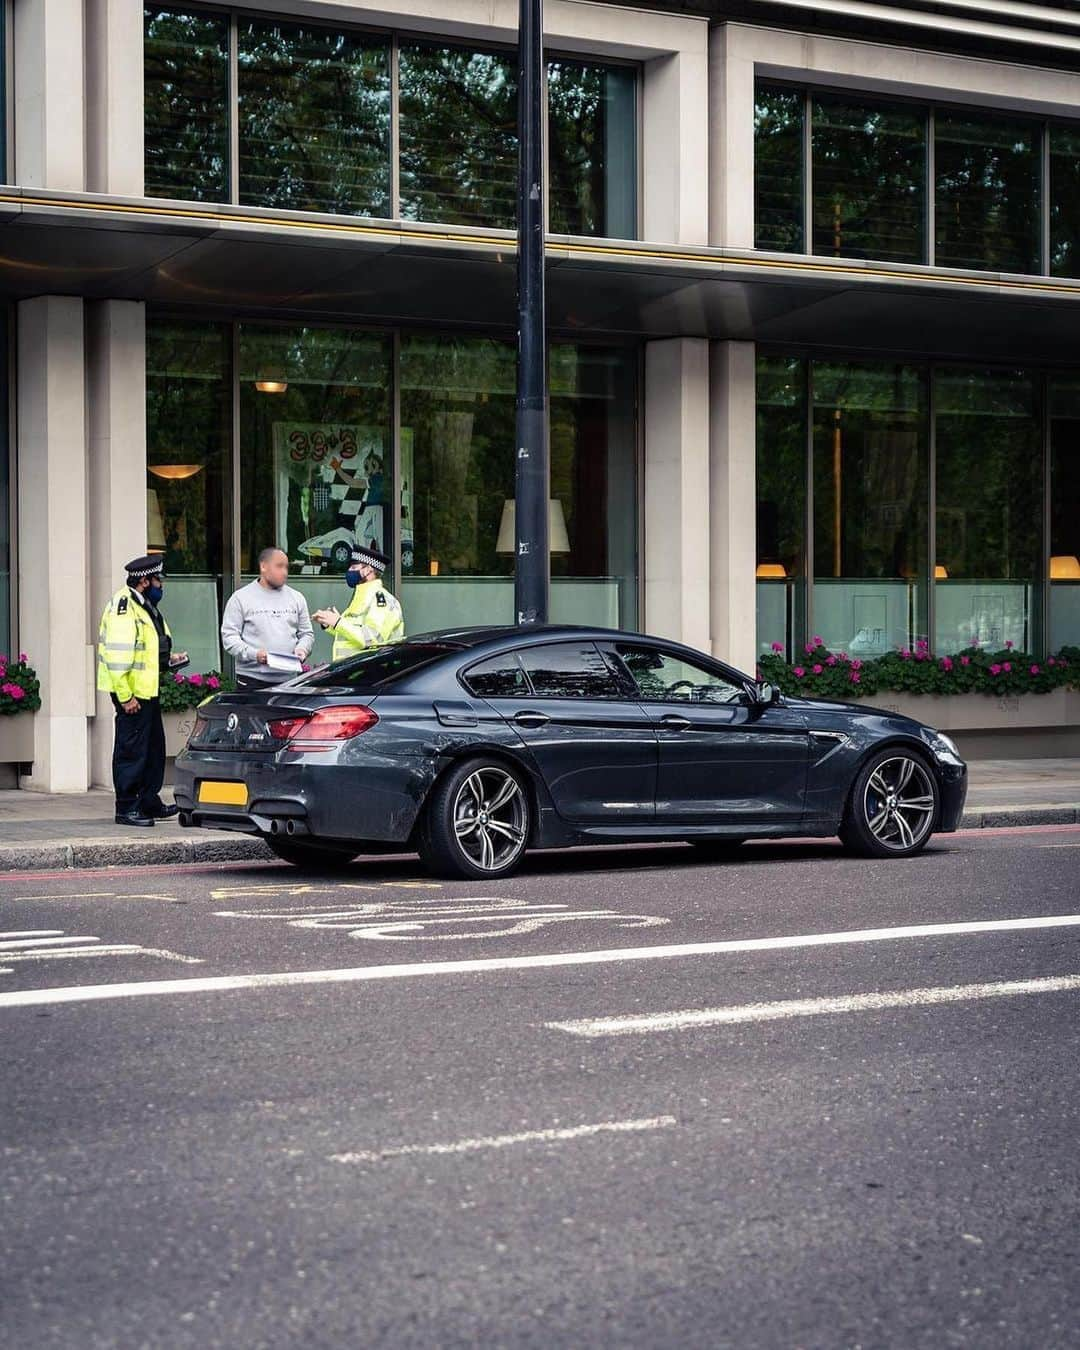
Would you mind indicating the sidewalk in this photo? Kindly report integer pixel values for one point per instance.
(55, 832)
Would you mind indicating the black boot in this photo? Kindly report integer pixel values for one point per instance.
(133, 818)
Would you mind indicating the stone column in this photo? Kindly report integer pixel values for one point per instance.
(675, 147)
(676, 552)
(114, 97)
(731, 139)
(732, 503)
(54, 626)
(116, 389)
(50, 149)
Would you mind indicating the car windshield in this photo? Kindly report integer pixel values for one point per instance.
(376, 668)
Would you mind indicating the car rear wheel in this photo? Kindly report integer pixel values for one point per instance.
(893, 805)
(310, 852)
(476, 822)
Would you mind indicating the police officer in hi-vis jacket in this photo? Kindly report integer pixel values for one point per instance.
(134, 650)
(373, 616)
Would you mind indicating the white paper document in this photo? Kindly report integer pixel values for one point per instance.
(280, 661)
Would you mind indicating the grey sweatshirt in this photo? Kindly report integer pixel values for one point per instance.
(258, 617)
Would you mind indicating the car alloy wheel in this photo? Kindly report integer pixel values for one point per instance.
(898, 803)
(490, 816)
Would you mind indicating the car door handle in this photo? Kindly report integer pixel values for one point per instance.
(675, 722)
(529, 718)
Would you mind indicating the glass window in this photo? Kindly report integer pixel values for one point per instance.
(315, 453)
(569, 670)
(314, 110)
(869, 177)
(661, 677)
(188, 478)
(778, 169)
(989, 496)
(373, 670)
(781, 501)
(186, 86)
(871, 473)
(1064, 512)
(457, 135)
(457, 483)
(987, 208)
(498, 677)
(592, 162)
(1065, 201)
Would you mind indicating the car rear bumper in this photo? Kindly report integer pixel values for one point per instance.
(377, 801)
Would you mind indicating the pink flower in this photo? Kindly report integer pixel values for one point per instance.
(965, 660)
(1052, 662)
(777, 646)
(816, 641)
(196, 680)
(1008, 646)
(809, 649)
(946, 663)
(818, 669)
(921, 645)
(831, 661)
(1006, 666)
(905, 654)
(14, 691)
(854, 677)
(178, 678)
(995, 670)
(856, 664)
(213, 682)
(799, 672)
(1035, 670)
(22, 658)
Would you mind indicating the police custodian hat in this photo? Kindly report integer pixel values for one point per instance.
(150, 565)
(370, 557)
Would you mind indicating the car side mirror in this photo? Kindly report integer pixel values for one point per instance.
(766, 695)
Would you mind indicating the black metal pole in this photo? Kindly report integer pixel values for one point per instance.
(532, 562)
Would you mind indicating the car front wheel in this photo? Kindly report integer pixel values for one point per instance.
(476, 822)
(893, 805)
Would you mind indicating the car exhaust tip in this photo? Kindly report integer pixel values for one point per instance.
(184, 819)
(290, 827)
(275, 827)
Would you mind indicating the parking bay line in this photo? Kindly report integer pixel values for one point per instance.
(550, 1136)
(25, 998)
(644, 1023)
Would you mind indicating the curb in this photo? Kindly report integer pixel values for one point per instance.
(92, 853)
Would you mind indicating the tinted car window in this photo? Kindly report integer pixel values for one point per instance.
(498, 677)
(569, 670)
(662, 677)
(379, 667)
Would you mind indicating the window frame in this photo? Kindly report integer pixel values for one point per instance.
(1043, 125)
(395, 37)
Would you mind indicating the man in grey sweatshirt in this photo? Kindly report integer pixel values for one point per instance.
(264, 621)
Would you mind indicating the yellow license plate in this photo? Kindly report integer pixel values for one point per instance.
(223, 794)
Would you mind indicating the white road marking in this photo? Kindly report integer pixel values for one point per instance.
(54, 945)
(638, 1024)
(34, 933)
(416, 920)
(552, 1136)
(28, 940)
(543, 960)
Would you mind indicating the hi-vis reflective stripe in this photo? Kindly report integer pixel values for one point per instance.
(121, 666)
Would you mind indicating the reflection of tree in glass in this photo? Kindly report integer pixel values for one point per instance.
(577, 163)
(314, 119)
(458, 135)
(186, 117)
(778, 169)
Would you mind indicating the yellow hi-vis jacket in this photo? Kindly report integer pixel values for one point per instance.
(372, 619)
(128, 649)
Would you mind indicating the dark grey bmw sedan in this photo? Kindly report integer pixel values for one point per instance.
(472, 746)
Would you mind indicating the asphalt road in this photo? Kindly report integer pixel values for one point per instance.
(248, 1107)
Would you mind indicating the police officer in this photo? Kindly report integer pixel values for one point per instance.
(134, 649)
(373, 616)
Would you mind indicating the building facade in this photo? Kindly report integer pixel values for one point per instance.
(813, 286)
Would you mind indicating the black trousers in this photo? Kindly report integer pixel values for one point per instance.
(138, 764)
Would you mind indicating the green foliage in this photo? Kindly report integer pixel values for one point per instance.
(820, 673)
(19, 688)
(180, 691)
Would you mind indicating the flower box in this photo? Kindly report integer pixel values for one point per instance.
(17, 738)
(983, 712)
(178, 727)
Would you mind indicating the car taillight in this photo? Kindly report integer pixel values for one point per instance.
(323, 729)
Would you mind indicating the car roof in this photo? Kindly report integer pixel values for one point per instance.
(481, 635)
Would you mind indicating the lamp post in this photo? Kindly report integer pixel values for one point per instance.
(532, 558)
